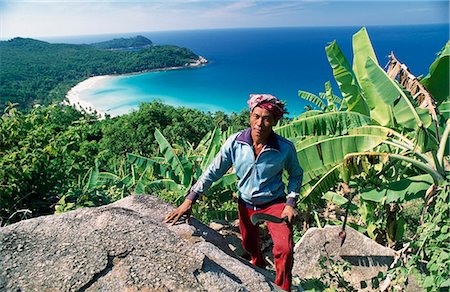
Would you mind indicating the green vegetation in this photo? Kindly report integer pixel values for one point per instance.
(379, 149)
(124, 43)
(387, 137)
(57, 156)
(37, 72)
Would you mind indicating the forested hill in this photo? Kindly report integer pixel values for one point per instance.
(34, 71)
(137, 42)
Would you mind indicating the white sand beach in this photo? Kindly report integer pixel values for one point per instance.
(74, 96)
(74, 99)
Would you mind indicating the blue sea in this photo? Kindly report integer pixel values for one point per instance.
(279, 61)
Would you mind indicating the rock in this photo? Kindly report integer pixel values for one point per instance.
(367, 258)
(122, 246)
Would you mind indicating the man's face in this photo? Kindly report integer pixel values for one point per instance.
(261, 122)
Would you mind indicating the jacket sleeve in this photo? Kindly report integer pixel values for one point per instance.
(218, 167)
(295, 177)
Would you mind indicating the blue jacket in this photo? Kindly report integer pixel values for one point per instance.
(259, 179)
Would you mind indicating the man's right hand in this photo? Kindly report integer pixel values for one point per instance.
(184, 209)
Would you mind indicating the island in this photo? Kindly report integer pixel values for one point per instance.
(37, 72)
(130, 44)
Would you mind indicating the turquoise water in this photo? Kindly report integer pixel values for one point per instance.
(279, 61)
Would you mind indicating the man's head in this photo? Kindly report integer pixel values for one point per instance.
(268, 102)
(265, 111)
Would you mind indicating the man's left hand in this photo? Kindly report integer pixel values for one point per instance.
(289, 212)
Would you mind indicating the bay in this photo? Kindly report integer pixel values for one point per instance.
(279, 61)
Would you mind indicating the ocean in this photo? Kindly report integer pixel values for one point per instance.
(279, 61)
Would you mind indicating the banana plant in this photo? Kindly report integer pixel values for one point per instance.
(377, 117)
(179, 166)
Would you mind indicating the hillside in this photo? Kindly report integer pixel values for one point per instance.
(37, 72)
(137, 42)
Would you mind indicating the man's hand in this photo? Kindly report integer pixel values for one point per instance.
(289, 212)
(184, 209)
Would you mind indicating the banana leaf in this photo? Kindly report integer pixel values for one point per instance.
(307, 114)
(309, 140)
(144, 162)
(182, 167)
(214, 144)
(346, 80)
(332, 123)
(437, 82)
(320, 185)
(382, 94)
(444, 147)
(318, 158)
(165, 184)
(107, 177)
(92, 177)
(227, 181)
(338, 199)
(141, 184)
(400, 191)
(201, 147)
(362, 50)
(312, 98)
(331, 97)
(444, 109)
(128, 181)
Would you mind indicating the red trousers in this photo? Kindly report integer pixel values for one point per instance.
(283, 243)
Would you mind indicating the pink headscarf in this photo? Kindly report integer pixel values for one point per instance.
(268, 102)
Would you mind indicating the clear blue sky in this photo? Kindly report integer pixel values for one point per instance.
(42, 18)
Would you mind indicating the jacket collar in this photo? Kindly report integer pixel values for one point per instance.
(246, 137)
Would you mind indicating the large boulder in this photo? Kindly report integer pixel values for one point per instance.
(122, 246)
(366, 257)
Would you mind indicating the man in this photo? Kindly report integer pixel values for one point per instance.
(259, 157)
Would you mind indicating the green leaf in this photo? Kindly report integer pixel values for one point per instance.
(214, 144)
(428, 282)
(387, 102)
(401, 227)
(165, 184)
(407, 189)
(371, 231)
(183, 169)
(141, 184)
(93, 177)
(346, 80)
(332, 123)
(444, 109)
(312, 98)
(318, 158)
(338, 200)
(309, 113)
(362, 50)
(445, 284)
(437, 82)
(225, 181)
(374, 195)
(444, 147)
(144, 162)
(321, 184)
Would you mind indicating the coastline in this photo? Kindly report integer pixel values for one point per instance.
(73, 96)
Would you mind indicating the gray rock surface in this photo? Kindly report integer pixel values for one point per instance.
(125, 247)
(367, 258)
(122, 246)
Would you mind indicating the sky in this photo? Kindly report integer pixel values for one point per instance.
(49, 18)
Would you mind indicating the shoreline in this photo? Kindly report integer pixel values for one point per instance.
(73, 95)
